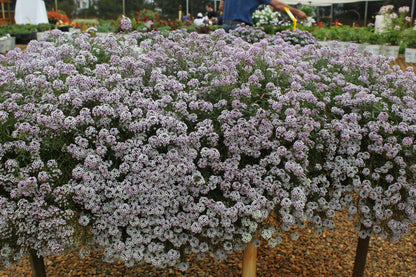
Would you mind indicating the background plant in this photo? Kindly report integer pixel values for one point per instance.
(306, 9)
(396, 23)
(410, 38)
(266, 16)
(58, 18)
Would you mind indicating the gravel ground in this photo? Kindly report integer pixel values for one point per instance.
(331, 254)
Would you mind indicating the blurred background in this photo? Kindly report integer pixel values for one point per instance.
(352, 13)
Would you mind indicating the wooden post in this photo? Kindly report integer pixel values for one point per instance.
(249, 260)
(360, 257)
(2, 10)
(37, 264)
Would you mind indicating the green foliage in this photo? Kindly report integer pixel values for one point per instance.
(107, 26)
(86, 21)
(307, 9)
(17, 29)
(169, 8)
(69, 7)
(395, 23)
(146, 14)
(43, 27)
(373, 38)
(348, 33)
(319, 33)
(409, 38)
(110, 9)
(147, 20)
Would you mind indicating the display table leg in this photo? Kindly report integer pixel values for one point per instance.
(249, 261)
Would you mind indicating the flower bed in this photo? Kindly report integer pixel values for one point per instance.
(141, 146)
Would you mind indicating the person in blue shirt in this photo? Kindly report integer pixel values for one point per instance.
(186, 17)
(236, 12)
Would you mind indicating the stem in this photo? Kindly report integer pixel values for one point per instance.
(249, 261)
(37, 264)
(360, 257)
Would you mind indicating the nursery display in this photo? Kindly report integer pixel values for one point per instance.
(153, 146)
(7, 43)
(410, 52)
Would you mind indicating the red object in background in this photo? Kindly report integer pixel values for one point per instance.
(57, 18)
(320, 24)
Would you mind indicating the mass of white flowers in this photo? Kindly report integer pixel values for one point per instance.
(153, 147)
(266, 16)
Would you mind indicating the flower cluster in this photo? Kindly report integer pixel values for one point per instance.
(158, 152)
(395, 23)
(298, 37)
(57, 18)
(151, 20)
(248, 33)
(125, 24)
(266, 16)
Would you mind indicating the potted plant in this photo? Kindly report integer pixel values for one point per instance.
(267, 16)
(395, 25)
(60, 19)
(372, 43)
(43, 31)
(3, 43)
(410, 42)
(23, 33)
(7, 42)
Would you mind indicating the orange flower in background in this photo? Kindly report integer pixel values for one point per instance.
(57, 18)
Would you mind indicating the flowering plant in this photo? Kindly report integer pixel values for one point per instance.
(396, 23)
(307, 9)
(125, 24)
(157, 152)
(17, 28)
(248, 33)
(146, 15)
(410, 38)
(298, 37)
(266, 16)
(148, 20)
(57, 18)
(106, 26)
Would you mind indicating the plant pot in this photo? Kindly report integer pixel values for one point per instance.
(373, 48)
(3, 45)
(380, 23)
(390, 51)
(42, 35)
(342, 45)
(324, 43)
(64, 28)
(25, 38)
(101, 35)
(410, 55)
(12, 43)
(7, 43)
(361, 47)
